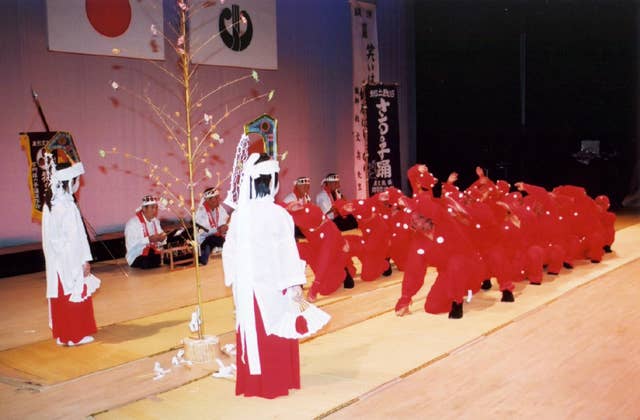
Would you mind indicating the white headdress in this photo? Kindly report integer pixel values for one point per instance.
(207, 194)
(147, 200)
(55, 176)
(303, 180)
(331, 178)
(210, 193)
(60, 150)
(242, 154)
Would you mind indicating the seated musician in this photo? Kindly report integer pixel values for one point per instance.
(212, 221)
(144, 236)
(326, 198)
(300, 193)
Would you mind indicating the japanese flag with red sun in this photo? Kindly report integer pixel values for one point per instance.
(106, 27)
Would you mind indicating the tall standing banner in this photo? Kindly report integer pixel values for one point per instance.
(236, 33)
(383, 137)
(35, 145)
(364, 41)
(106, 27)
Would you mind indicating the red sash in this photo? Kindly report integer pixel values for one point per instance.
(213, 222)
(304, 199)
(143, 222)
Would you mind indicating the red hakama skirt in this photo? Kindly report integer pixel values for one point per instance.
(279, 361)
(71, 321)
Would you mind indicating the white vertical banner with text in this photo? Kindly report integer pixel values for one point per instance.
(364, 41)
(239, 33)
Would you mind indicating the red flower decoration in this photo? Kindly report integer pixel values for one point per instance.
(301, 325)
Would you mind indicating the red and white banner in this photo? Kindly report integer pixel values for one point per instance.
(364, 41)
(106, 27)
(236, 33)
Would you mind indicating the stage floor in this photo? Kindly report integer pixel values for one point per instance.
(367, 359)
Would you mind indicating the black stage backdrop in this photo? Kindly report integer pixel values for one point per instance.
(516, 86)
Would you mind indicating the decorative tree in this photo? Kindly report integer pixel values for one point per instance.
(195, 149)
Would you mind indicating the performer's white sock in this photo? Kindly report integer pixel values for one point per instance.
(85, 340)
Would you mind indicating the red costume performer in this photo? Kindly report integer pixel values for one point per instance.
(530, 252)
(607, 220)
(372, 248)
(420, 179)
(392, 208)
(326, 251)
(549, 233)
(438, 241)
(584, 217)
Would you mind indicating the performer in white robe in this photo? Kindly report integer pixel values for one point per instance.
(262, 265)
(70, 283)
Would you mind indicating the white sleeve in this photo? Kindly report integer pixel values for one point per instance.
(156, 222)
(201, 217)
(133, 234)
(229, 250)
(324, 202)
(293, 268)
(134, 239)
(224, 216)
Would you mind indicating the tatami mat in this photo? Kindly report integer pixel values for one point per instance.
(44, 362)
(342, 366)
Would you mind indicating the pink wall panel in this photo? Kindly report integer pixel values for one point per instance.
(312, 105)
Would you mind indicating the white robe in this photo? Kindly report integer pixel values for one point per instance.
(134, 238)
(292, 197)
(203, 220)
(324, 201)
(66, 249)
(260, 259)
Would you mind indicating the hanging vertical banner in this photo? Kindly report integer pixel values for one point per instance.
(383, 137)
(364, 41)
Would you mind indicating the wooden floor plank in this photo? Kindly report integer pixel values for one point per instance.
(585, 366)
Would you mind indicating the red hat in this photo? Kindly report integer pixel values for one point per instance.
(503, 186)
(570, 191)
(420, 178)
